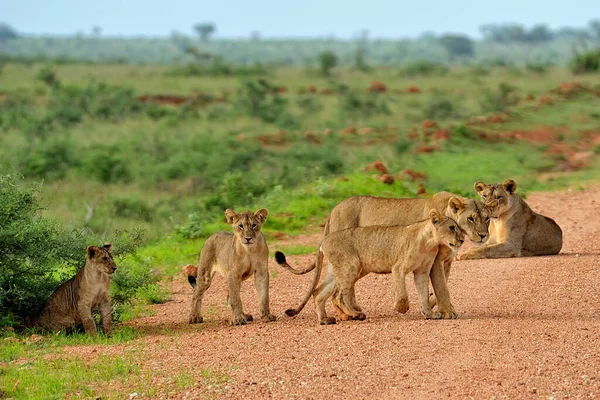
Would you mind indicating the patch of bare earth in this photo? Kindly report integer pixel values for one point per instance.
(527, 328)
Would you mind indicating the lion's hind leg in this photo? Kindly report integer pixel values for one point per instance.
(321, 294)
(344, 302)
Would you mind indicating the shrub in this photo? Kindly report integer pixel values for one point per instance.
(48, 75)
(194, 228)
(588, 61)
(327, 60)
(36, 254)
(50, 158)
(107, 164)
(260, 99)
(425, 68)
(132, 207)
(363, 105)
(500, 99)
(538, 68)
(440, 108)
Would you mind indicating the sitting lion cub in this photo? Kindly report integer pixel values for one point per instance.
(236, 257)
(517, 230)
(399, 250)
(72, 303)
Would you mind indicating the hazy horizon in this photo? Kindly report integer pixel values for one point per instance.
(271, 19)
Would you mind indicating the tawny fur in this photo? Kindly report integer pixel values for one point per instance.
(399, 250)
(471, 215)
(236, 256)
(516, 231)
(73, 302)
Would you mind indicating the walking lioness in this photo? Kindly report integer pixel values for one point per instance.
(236, 256)
(73, 302)
(471, 215)
(399, 250)
(516, 230)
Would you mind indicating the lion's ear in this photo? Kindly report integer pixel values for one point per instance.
(435, 216)
(455, 205)
(510, 186)
(261, 215)
(479, 186)
(230, 215)
(92, 251)
(107, 247)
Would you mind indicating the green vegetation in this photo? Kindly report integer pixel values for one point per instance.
(114, 150)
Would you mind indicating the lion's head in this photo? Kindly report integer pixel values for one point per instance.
(445, 230)
(496, 197)
(472, 216)
(101, 259)
(246, 225)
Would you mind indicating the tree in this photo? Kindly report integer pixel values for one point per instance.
(205, 30)
(457, 45)
(327, 60)
(7, 32)
(594, 28)
(96, 30)
(540, 33)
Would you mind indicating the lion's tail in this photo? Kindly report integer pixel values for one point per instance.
(281, 260)
(318, 265)
(191, 271)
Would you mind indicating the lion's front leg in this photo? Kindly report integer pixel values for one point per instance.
(439, 281)
(261, 283)
(501, 250)
(85, 314)
(401, 296)
(105, 317)
(234, 285)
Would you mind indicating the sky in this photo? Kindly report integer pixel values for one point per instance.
(284, 18)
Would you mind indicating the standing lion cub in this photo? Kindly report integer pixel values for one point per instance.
(72, 303)
(236, 256)
(399, 250)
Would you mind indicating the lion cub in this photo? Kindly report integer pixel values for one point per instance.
(399, 250)
(516, 230)
(72, 303)
(236, 256)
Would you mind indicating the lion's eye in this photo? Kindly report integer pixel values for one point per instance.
(487, 219)
(241, 226)
(498, 197)
(484, 196)
(452, 228)
(105, 258)
(471, 220)
(253, 226)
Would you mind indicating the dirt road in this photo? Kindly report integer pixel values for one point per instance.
(527, 328)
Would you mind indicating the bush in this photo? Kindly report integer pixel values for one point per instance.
(260, 99)
(440, 108)
(218, 67)
(425, 68)
(358, 105)
(327, 60)
(107, 164)
(36, 254)
(131, 207)
(48, 76)
(588, 61)
(50, 158)
(500, 99)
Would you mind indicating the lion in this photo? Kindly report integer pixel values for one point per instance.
(516, 230)
(399, 250)
(73, 302)
(471, 215)
(236, 256)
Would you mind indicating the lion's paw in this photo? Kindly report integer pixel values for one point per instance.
(269, 318)
(196, 319)
(241, 320)
(327, 321)
(401, 305)
(448, 314)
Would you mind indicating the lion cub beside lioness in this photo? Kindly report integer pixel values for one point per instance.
(72, 303)
(399, 250)
(236, 256)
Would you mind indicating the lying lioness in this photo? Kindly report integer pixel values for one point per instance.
(236, 256)
(517, 230)
(399, 250)
(72, 303)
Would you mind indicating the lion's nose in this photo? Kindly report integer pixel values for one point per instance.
(248, 239)
(461, 241)
(482, 236)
